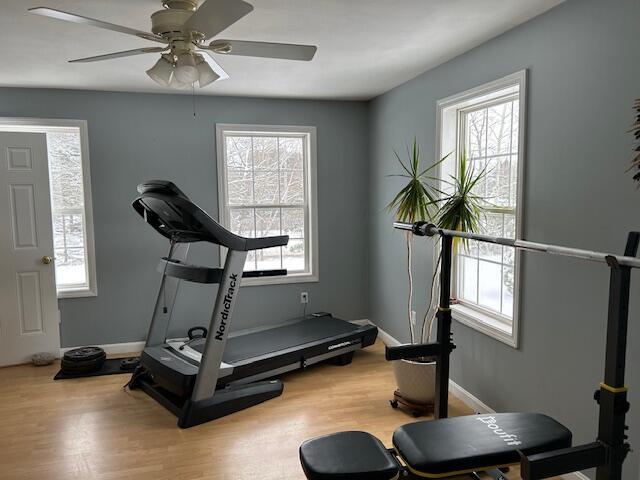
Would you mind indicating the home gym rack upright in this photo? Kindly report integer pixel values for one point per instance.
(608, 452)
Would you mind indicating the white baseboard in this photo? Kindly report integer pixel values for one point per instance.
(579, 476)
(130, 347)
(470, 400)
(364, 321)
(387, 339)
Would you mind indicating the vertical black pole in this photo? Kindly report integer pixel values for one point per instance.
(612, 395)
(441, 409)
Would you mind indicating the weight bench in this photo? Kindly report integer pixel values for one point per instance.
(434, 449)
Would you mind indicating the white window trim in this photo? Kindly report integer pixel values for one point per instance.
(447, 141)
(311, 185)
(17, 124)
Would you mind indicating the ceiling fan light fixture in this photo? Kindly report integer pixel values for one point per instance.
(186, 71)
(161, 72)
(206, 75)
(178, 85)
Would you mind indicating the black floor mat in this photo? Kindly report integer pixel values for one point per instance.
(111, 366)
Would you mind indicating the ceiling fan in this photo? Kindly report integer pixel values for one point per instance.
(184, 29)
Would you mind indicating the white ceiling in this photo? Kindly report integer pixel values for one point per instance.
(365, 47)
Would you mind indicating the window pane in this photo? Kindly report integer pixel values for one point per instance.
(469, 276)
(266, 175)
(293, 222)
(516, 130)
(67, 208)
(266, 187)
(293, 256)
(503, 173)
(242, 222)
(509, 225)
(292, 186)
(240, 187)
(513, 188)
(507, 291)
(269, 258)
(470, 248)
(65, 169)
(499, 129)
(70, 267)
(480, 188)
(491, 224)
(490, 138)
(489, 285)
(477, 134)
(239, 153)
(250, 262)
(291, 156)
(267, 222)
(265, 153)
(492, 191)
(509, 256)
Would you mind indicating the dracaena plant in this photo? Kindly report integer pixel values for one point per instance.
(457, 208)
(417, 200)
(460, 208)
(635, 129)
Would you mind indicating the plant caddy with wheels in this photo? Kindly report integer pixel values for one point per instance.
(464, 445)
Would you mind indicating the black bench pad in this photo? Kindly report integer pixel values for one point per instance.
(462, 444)
(347, 456)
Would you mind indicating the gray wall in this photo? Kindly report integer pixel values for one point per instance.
(584, 75)
(134, 137)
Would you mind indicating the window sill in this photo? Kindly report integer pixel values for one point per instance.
(484, 323)
(283, 280)
(79, 293)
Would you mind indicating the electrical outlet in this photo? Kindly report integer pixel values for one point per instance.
(304, 297)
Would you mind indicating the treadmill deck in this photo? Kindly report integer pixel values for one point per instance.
(245, 346)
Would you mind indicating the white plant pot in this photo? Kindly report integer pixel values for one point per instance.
(416, 380)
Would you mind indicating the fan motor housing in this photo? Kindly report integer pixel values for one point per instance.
(169, 21)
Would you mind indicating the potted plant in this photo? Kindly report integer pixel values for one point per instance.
(458, 208)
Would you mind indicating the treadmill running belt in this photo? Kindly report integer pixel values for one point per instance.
(250, 345)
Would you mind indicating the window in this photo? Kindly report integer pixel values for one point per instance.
(266, 185)
(487, 124)
(71, 212)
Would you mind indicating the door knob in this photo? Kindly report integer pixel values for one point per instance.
(47, 259)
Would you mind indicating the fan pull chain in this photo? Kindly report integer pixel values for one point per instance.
(193, 96)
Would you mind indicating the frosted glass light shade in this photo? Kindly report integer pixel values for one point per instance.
(206, 74)
(186, 71)
(161, 72)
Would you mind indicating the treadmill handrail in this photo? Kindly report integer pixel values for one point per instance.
(169, 206)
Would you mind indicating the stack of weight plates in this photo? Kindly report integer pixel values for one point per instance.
(83, 360)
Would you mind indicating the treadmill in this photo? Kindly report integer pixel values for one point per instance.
(220, 372)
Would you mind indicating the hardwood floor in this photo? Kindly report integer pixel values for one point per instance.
(92, 429)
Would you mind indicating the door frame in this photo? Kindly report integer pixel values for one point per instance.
(30, 124)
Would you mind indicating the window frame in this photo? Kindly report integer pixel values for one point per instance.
(311, 191)
(448, 134)
(44, 125)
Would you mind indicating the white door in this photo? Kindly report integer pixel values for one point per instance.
(28, 300)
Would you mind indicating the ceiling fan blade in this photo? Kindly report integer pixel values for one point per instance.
(214, 16)
(126, 53)
(215, 66)
(72, 17)
(286, 51)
